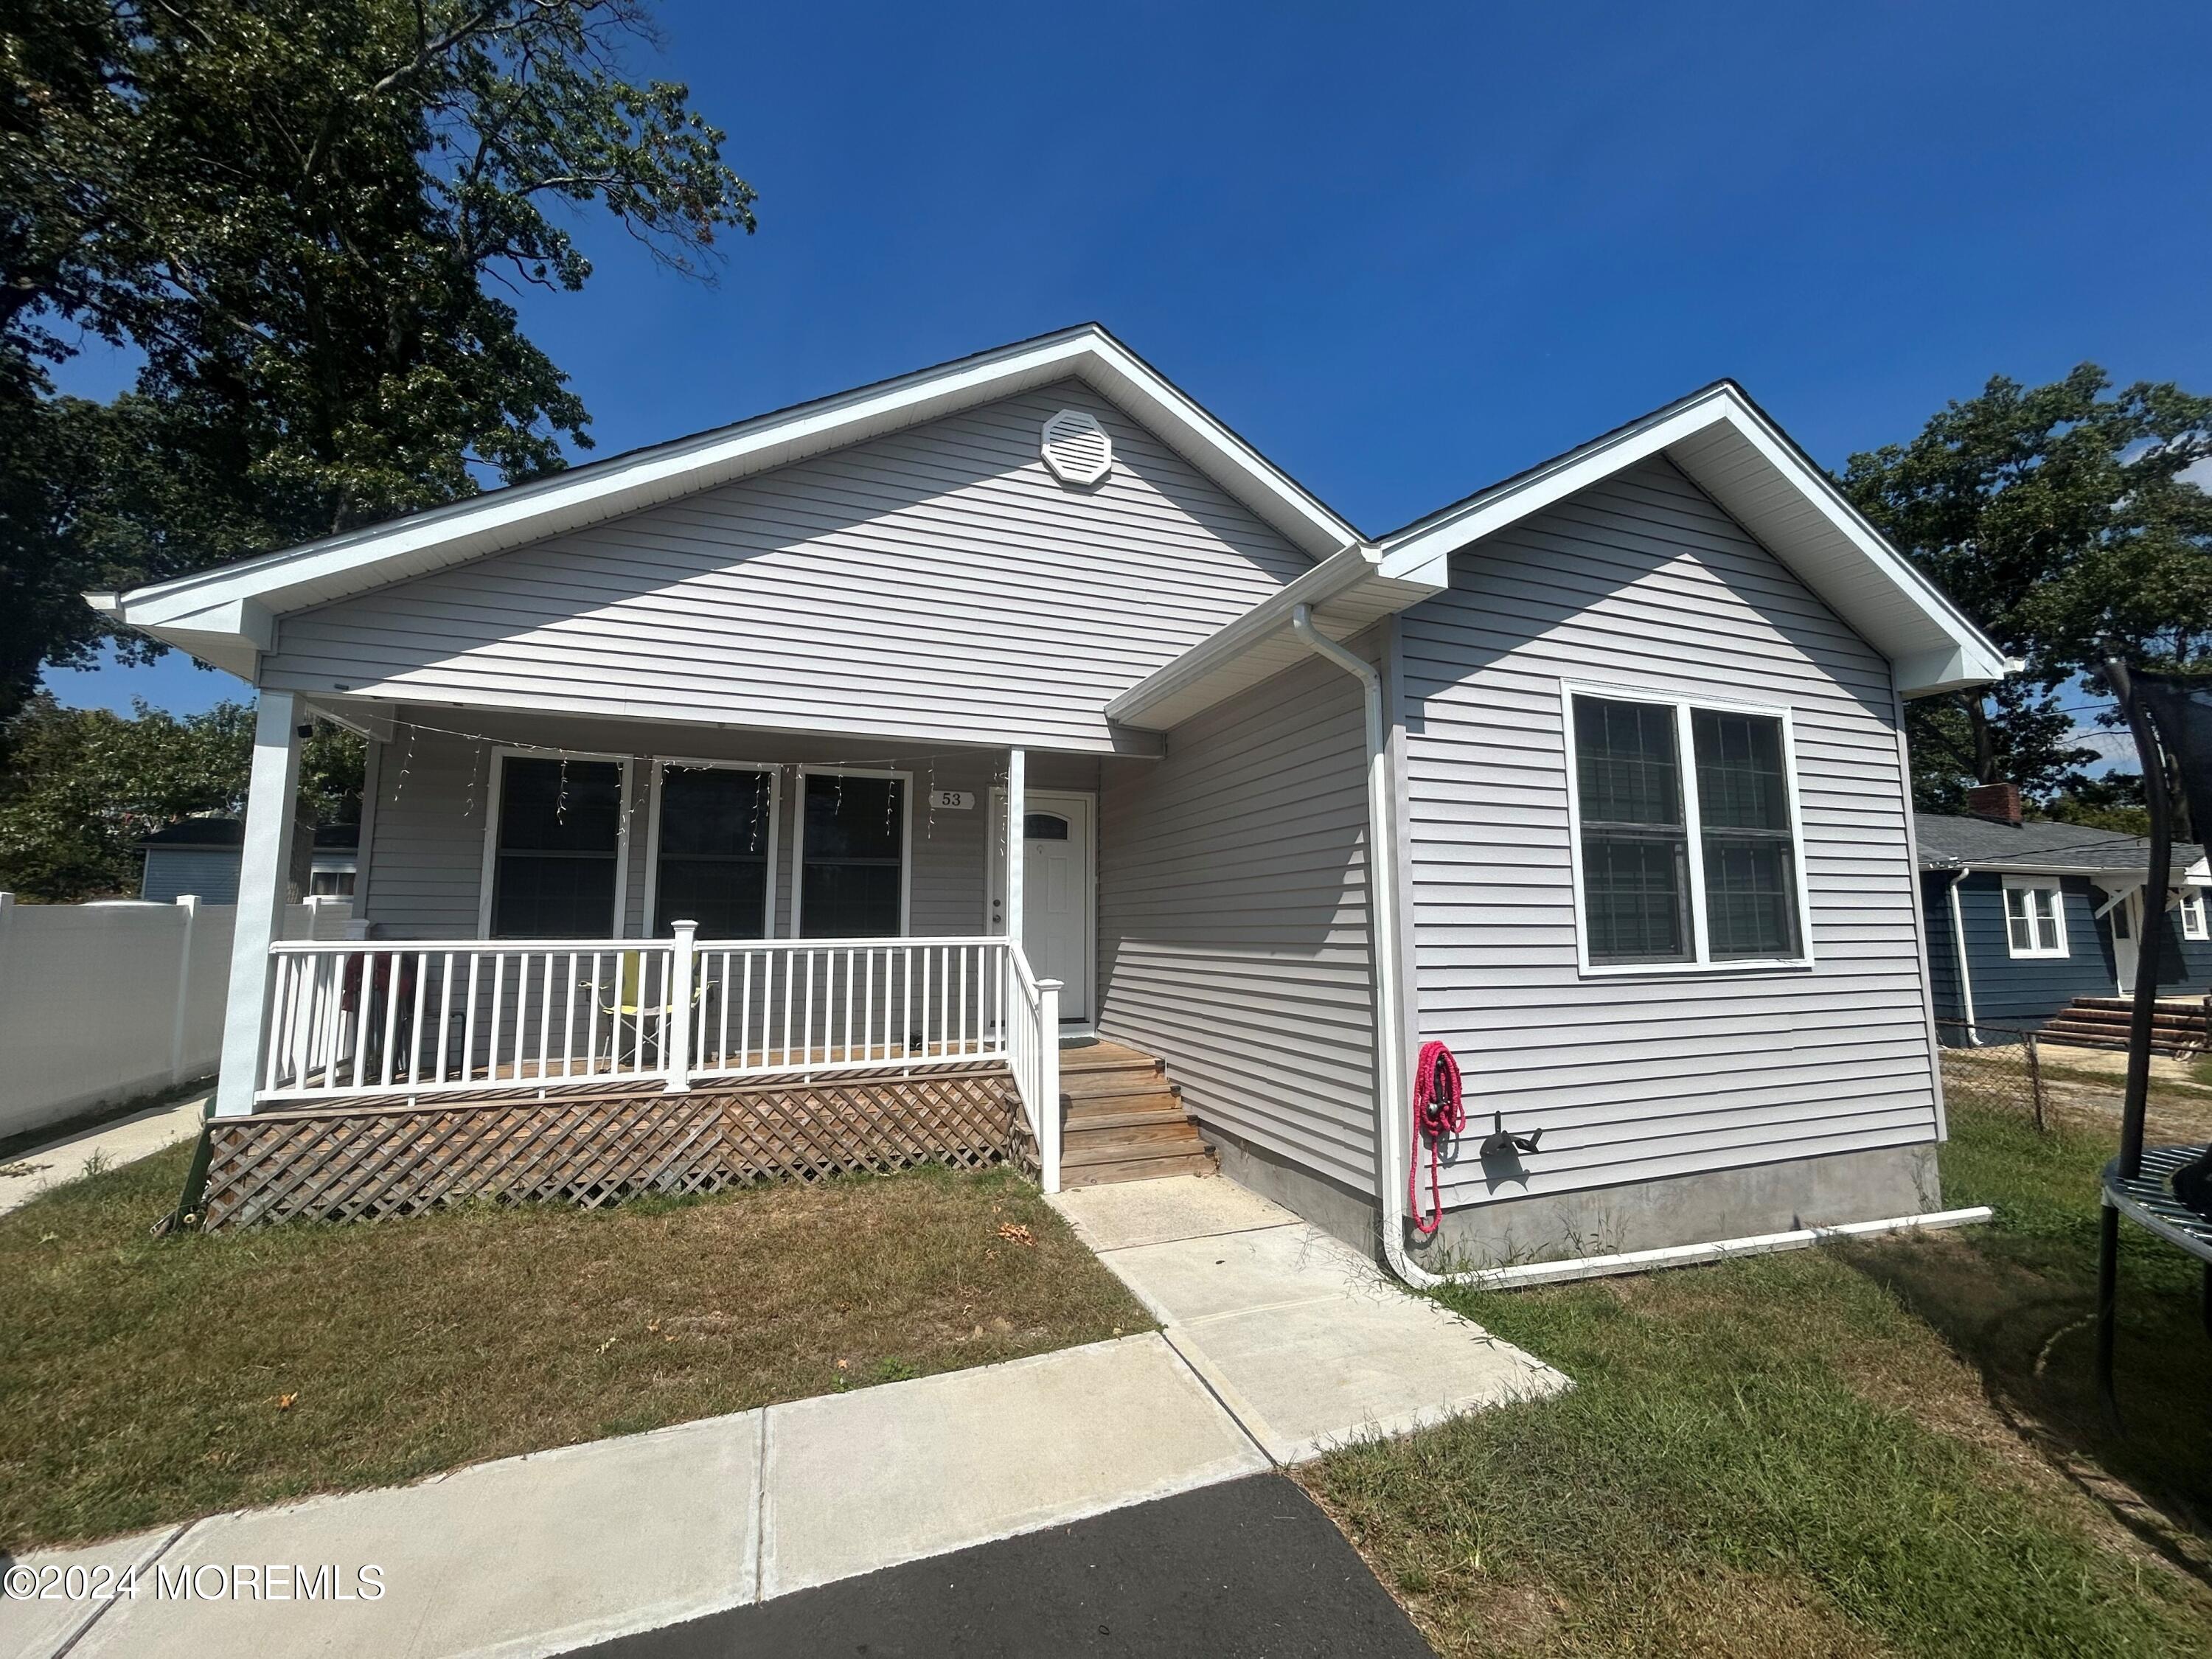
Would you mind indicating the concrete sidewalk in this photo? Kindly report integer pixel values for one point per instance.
(1278, 1342)
(1303, 1338)
(26, 1174)
(545, 1553)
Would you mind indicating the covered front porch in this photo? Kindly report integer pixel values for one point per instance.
(551, 907)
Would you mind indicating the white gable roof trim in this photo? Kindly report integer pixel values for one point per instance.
(1725, 444)
(226, 615)
(1717, 436)
(1729, 449)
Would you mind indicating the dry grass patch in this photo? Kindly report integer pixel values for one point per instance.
(150, 1380)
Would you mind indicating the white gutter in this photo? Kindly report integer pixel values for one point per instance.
(1692, 1256)
(1959, 950)
(1392, 1122)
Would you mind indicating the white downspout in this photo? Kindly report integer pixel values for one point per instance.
(1959, 950)
(1391, 1120)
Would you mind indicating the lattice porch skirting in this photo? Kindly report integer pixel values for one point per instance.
(595, 1146)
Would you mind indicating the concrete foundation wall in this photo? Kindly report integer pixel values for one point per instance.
(1341, 1211)
(1694, 1209)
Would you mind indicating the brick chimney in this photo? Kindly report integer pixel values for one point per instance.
(1998, 802)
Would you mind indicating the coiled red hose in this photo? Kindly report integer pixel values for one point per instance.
(1439, 1112)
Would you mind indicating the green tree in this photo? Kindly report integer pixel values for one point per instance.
(2057, 517)
(303, 214)
(87, 786)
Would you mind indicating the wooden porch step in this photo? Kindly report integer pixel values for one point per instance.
(1112, 1091)
(1097, 1059)
(1097, 1171)
(1158, 1129)
(1122, 1119)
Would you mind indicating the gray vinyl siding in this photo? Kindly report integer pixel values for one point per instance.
(172, 871)
(935, 584)
(426, 859)
(1233, 918)
(1642, 582)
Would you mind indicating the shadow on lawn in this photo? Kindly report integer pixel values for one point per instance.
(2016, 1300)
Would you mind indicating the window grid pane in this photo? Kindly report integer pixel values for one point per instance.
(714, 827)
(853, 871)
(1744, 820)
(2046, 918)
(559, 826)
(1636, 889)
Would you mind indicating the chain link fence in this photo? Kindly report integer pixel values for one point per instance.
(1994, 1066)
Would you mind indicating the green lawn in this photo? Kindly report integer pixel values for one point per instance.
(147, 1379)
(1883, 1449)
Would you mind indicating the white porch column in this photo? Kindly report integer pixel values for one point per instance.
(1017, 799)
(264, 867)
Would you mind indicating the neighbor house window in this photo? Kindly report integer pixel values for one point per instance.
(2192, 914)
(1687, 848)
(2035, 919)
(330, 883)
(711, 858)
(852, 856)
(556, 839)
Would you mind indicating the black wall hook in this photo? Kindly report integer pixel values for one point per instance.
(1499, 1143)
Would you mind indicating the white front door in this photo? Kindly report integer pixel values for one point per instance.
(2126, 918)
(1056, 891)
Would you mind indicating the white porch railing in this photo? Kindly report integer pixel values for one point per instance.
(360, 1017)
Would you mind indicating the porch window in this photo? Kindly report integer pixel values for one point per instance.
(717, 824)
(852, 856)
(2035, 918)
(557, 841)
(1686, 846)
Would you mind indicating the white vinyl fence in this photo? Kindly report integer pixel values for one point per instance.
(101, 1002)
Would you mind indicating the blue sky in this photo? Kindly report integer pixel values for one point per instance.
(1408, 250)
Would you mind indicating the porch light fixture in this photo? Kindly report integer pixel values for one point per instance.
(1076, 448)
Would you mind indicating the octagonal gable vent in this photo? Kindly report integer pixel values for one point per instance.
(1076, 448)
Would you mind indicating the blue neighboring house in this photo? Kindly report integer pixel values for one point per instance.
(2024, 919)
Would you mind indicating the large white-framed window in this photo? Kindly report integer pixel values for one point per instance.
(556, 845)
(852, 863)
(2191, 905)
(1683, 833)
(712, 833)
(2035, 916)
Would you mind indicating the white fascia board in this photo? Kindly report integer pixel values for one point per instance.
(320, 571)
(1206, 672)
(1940, 650)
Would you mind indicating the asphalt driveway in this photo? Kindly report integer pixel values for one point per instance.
(1249, 1569)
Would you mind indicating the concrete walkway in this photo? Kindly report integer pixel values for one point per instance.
(1278, 1342)
(1302, 1338)
(26, 1174)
